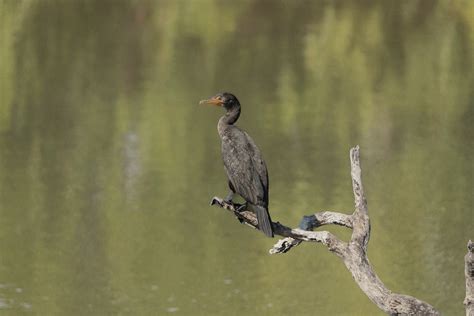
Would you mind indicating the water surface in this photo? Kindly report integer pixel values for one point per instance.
(107, 163)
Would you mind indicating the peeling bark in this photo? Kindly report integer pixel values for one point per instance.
(354, 252)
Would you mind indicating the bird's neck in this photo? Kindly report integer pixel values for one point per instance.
(228, 119)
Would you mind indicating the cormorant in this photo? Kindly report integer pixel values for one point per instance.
(243, 162)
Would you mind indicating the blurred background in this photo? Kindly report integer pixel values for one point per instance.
(107, 163)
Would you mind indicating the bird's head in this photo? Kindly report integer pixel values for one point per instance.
(226, 100)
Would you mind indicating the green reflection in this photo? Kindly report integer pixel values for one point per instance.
(107, 162)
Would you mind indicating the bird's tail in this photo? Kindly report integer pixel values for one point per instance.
(264, 220)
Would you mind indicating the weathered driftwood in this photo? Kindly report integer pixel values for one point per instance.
(352, 253)
(469, 272)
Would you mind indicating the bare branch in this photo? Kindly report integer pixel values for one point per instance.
(354, 253)
(294, 236)
(327, 218)
(308, 223)
(284, 245)
(469, 273)
(356, 174)
(361, 229)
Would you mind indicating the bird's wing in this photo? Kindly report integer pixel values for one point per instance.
(260, 167)
(245, 167)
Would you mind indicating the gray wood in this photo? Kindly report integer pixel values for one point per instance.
(354, 252)
(469, 273)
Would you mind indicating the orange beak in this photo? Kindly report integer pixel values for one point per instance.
(212, 101)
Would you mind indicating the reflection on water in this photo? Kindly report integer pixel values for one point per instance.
(107, 162)
(11, 299)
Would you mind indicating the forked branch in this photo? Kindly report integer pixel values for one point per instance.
(353, 253)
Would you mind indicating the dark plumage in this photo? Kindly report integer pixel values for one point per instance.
(243, 162)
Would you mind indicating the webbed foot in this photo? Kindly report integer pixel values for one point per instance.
(241, 207)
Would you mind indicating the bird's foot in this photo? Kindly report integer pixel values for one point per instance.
(240, 207)
(236, 207)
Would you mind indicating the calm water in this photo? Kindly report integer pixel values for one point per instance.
(107, 163)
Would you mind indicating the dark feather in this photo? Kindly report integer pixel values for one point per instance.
(243, 161)
(245, 166)
(247, 173)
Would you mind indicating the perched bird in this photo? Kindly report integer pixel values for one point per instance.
(243, 162)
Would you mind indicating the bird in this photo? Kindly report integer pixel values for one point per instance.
(243, 162)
